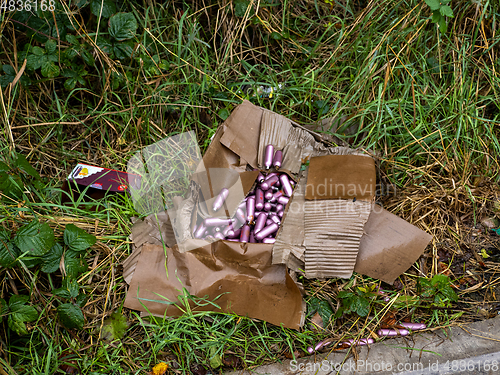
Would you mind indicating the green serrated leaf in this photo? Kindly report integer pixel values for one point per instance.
(105, 45)
(70, 38)
(103, 8)
(17, 325)
(11, 185)
(80, 3)
(70, 53)
(240, 7)
(69, 289)
(74, 263)
(23, 165)
(81, 300)
(70, 83)
(223, 114)
(9, 70)
(50, 70)
(71, 316)
(122, 26)
(38, 51)
(123, 50)
(35, 238)
(344, 294)
(433, 4)
(51, 260)
(24, 312)
(33, 62)
(362, 306)
(8, 252)
(77, 239)
(440, 280)
(325, 311)
(5, 80)
(20, 313)
(52, 58)
(114, 327)
(449, 293)
(87, 57)
(18, 300)
(445, 10)
(50, 46)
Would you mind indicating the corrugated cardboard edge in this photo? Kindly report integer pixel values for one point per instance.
(290, 240)
(333, 231)
(389, 246)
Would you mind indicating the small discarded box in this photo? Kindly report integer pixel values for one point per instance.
(322, 233)
(97, 181)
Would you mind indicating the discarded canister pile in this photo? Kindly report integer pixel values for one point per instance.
(258, 217)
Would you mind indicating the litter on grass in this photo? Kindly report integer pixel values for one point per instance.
(269, 199)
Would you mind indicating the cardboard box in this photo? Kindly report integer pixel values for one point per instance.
(322, 232)
(96, 182)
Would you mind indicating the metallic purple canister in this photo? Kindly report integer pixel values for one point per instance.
(233, 233)
(245, 233)
(250, 209)
(268, 195)
(266, 231)
(285, 184)
(259, 200)
(200, 231)
(220, 199)
(268, 156)
(269, 240)
(276, 219)
(260, 222)
(283, 200)
(216, 222)
(278, 158)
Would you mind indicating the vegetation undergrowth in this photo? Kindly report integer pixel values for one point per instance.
(412, 82)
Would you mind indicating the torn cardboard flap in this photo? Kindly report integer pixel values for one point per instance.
(333, 231)
(242, 132)
(238, 278)
(389, 246)
(341, 177)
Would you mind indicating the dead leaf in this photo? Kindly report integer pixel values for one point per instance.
(231, 360)
(197, 369)
(316, 322)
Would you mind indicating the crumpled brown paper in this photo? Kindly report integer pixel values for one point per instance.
(237, 277)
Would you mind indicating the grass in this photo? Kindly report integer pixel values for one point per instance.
(424, 103)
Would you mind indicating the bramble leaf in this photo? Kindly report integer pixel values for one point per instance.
(445, 10)
(35, 238)
(108, 8)
(122, 26)
(433, 4)
(74, 263)
(23, 165)
(71, 315)
(69, 289)
(51, 260)
(77, 239)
